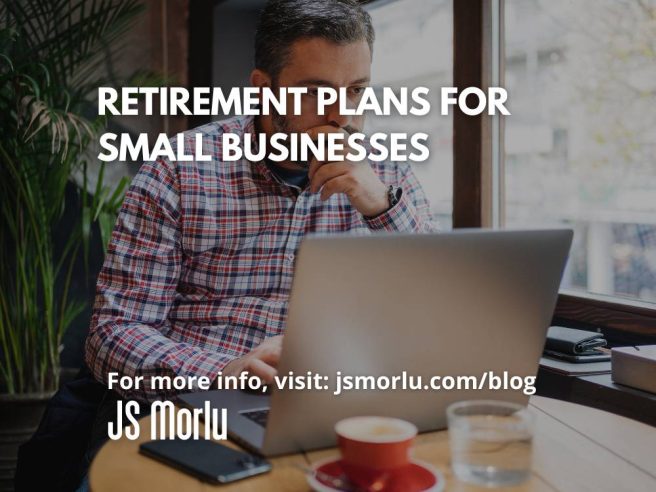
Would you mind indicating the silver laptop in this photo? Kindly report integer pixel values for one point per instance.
(451, 304)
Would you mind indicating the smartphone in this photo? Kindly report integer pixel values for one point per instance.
(207, 460)
(594, 356)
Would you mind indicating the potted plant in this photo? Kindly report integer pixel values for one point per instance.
(52, 59)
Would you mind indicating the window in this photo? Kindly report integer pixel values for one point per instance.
(580, 146)
(423, 59)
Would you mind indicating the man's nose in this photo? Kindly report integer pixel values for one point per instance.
(335, 118)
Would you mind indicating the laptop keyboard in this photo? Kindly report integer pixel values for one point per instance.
(257, 416)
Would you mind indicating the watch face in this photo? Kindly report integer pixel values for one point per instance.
(394, 195)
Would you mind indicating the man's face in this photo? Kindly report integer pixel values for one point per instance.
(313, 63)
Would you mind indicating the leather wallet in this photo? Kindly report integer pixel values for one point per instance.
(571, 341)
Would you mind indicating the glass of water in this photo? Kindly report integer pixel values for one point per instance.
(491, 442)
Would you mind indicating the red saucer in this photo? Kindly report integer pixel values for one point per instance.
(416, 477)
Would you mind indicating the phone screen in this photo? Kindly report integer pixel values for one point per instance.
(207, 460)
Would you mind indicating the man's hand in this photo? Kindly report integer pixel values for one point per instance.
(357, 180)
(262, 361)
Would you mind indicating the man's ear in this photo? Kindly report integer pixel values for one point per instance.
(260, 78)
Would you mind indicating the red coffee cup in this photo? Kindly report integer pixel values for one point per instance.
(372, 447)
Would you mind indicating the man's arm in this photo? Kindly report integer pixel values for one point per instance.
(368, 193)
(412, 213)
(136, 289)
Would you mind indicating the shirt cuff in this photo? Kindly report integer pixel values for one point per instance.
(402, 217)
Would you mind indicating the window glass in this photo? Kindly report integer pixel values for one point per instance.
(581, 141)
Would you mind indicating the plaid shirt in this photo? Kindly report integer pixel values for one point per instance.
(199, 267)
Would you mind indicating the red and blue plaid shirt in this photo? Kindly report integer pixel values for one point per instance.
(200, 263)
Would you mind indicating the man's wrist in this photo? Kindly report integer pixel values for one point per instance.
(233, 367)
(392, 197)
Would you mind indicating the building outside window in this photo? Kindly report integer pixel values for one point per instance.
(581, 142)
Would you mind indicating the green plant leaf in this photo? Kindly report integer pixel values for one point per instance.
(53, 53)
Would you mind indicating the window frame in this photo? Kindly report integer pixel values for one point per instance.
(478, 177)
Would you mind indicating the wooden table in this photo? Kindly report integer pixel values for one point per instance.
(576, 449)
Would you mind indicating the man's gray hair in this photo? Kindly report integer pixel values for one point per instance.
(282, 22)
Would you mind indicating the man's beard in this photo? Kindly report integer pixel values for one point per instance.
(281, 124)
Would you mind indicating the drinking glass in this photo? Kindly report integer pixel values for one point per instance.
(491, 442)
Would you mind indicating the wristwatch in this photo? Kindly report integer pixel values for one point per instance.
(393, 195)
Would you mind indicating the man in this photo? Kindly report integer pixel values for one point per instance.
(198, 272)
